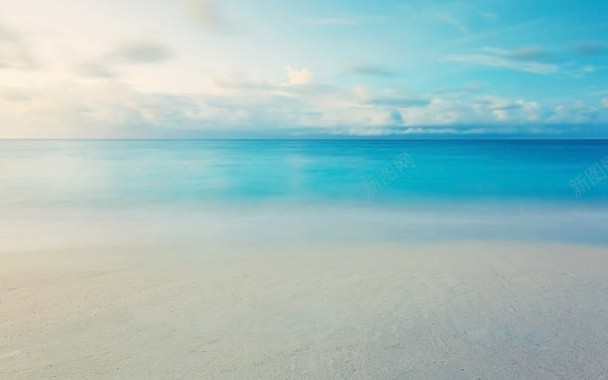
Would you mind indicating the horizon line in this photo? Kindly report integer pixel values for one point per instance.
(307, 139)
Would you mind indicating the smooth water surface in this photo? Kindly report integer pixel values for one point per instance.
(429, 190)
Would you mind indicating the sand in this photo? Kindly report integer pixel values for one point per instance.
(249, 311)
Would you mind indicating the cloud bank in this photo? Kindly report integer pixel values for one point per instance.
(294, 107)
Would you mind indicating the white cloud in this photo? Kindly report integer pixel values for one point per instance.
(362, 94)
(589, 69)
(605, 102)
(298, 76)
(480, 110)
(502, 58)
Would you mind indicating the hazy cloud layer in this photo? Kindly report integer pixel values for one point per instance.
(369, 68)
(590, 48)
(126, 53)
(373, 70)
(338, 20)
(140, 52)
(14, 51)
(502, 58)
(206, 13)
(95, 70)
(534, 59)
(238, 105)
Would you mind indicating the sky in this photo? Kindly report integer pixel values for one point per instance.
(303, 69)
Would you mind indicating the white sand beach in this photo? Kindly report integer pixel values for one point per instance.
(445, 311)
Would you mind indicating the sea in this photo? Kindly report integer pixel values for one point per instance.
(302, 191)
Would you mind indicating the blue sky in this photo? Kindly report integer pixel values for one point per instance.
(269, 68)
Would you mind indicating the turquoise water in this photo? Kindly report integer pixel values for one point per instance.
(127, 172)
(470, 189)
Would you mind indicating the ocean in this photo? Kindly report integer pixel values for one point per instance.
(305, 190)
